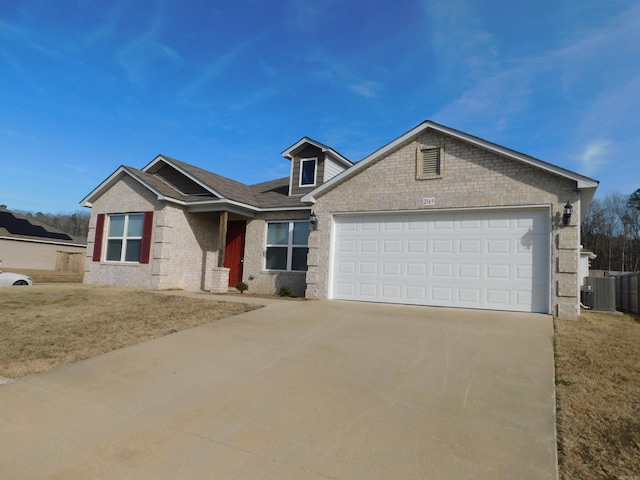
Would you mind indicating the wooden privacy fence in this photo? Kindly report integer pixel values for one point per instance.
(627, 292)
(70, 262)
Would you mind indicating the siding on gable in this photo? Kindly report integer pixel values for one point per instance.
(331, 169)
(308, 152)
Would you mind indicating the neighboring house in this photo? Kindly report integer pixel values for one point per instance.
(25, 244)
(436, 217)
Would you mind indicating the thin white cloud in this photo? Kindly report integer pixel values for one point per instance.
(212, 70)
(306, 15)
(575, 69)
(595, 156)
(365, 89)
(76, 168)
(331, 70)
(143, 56)
(464, 49)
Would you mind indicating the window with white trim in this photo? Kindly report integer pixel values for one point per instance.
(124, 237)
(287, 246)
(308, 169)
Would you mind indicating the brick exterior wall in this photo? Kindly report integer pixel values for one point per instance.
(471, 177)
(184, 245)
(184, 251)
(254, 274)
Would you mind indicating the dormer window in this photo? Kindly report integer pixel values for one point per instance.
(308, 170)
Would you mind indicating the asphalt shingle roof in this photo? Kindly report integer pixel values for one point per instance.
(228, 188)
(271, 194)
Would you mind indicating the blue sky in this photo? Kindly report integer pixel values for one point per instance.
(88, 86)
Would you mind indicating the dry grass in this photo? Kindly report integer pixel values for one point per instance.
(43, 327)
(598, 396)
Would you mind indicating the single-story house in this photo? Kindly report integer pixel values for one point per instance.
(27, 244)
(435, 217)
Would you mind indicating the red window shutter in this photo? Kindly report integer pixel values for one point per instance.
(97, 243)
(145, 251)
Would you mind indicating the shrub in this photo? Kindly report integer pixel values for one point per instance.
(285, 291)
(241, 287)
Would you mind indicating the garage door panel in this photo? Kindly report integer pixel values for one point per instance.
(369, 246)
(442, 246)
(392, 246)
(466, 295)
(416, 269)
(391, 268)
(349, 246)
(442, 294)
(416, 294)
(440, 225)
(391, 291)
(469, 271)
(473, 246)
(416, 246)
(367, 290)
(346, 267)
(497, 246)
(479, 259)
(502, 272)
(368, 226)
(368, 268)
(417, 225)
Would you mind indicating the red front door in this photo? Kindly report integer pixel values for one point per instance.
(234, 251)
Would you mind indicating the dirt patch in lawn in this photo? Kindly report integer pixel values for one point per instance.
(598, 396)
(43, 327)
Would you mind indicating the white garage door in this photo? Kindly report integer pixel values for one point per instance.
(490, 259)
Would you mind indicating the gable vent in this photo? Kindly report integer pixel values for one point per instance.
(429, 163)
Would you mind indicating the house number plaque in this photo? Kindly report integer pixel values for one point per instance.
(428, 201)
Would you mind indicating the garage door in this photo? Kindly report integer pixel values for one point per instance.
(489, 259)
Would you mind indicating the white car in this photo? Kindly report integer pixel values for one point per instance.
(8, 278)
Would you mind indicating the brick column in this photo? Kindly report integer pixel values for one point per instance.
(567, 272)
(219, 280)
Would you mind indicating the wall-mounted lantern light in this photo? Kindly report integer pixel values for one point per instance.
(566, 216)
(313, 221)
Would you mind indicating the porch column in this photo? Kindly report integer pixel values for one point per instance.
(222, 237)
(220, 274)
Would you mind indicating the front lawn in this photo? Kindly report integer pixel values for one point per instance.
(43, 327)
(598, 396)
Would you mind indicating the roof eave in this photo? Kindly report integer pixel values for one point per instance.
(581, 181)
(293, 149)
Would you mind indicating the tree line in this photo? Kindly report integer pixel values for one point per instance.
(75, 224)
(611, 230)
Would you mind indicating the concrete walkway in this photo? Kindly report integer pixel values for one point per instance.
(298, 390)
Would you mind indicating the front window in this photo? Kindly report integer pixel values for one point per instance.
(308, 172)
(124, 237)
(287, 246)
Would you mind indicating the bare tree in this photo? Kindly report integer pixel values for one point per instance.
(611, 229)
(75, 224)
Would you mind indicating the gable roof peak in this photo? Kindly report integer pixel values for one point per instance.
(583, 183)
(290, 152)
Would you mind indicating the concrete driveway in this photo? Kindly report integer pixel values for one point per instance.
(299, 390)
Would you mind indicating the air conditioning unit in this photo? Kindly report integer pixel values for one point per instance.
(600, 293)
